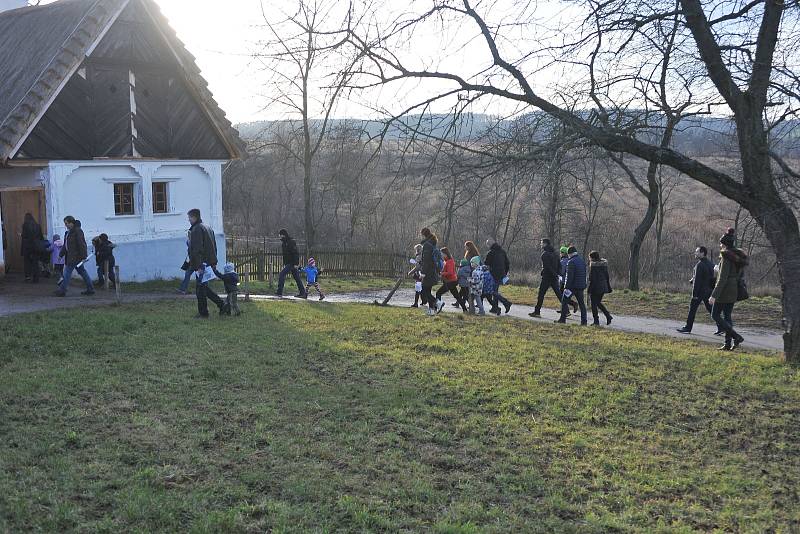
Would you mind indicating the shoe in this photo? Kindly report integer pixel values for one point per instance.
(301, 296)
(608, 320)
(225, 310)
(439, 307)
(534, 314)
(481, 313)
(429, 312)
(508, 307)
(180, 292)
(199, 316)
(584, 324)
(279, 295)
(60, 294)
(725, 347)
(736, 342)
(561, 321)
(455, 305)
(415, 305)
(322, 297)
(574, 308)
(596, 323)
(684, 330)
(87, 293)
(719, 333)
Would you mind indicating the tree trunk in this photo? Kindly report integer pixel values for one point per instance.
(638, 238)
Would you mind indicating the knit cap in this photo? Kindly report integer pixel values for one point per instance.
(729, 238)
(463, 263)
(564, 250)
(228, 268)
(312, 262)
(476, 260)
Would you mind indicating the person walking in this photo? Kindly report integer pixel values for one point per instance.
(203, 254)
(550, 269)
(32, 238)
(563, 261)
(703, 281)
(470, 251)
(75, 255)
(183, 289)
(574, 285)
(429, 271)
(450, 279)
(599, 285)
(291, 264)
(499, 265)
(728, 289)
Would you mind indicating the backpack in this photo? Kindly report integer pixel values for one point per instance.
(438, 260)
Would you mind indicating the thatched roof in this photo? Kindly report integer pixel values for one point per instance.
(41, 47)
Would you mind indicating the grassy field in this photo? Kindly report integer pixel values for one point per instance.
(763, 312)
(317, 417)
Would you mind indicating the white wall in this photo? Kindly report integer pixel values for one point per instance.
(148, 245)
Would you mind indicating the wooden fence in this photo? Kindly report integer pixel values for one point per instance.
(265, 264)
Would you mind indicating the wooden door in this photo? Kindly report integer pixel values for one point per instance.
(15, 204)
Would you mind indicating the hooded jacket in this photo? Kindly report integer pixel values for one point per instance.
(731, 268)
(550, 263)
(202, 246)
(599, 281)
(497, 262)
(703, 278)
(291, 255)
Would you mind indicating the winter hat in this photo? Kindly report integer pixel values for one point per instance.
(729, 238)
(312, 262)
(564, 250)
(572, 250)
(463, 263)
(56, 237)
(476, 260)
(229, 268)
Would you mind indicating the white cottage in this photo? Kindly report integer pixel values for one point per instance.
(104, 116)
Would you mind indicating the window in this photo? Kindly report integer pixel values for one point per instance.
(160, 198)
(123, 199)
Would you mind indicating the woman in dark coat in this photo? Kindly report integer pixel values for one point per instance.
(429, 270)
(726, 292)
(599, 285)
(32, 238)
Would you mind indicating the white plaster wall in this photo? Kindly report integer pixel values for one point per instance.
(149, 246)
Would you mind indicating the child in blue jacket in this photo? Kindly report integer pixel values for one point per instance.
(311, 277)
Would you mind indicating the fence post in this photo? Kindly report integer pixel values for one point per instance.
(117, 285)
(268, 261)
(105, 275)
(247, 283)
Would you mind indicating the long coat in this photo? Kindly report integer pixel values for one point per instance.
(428, 267)
(202, 246)
(599, 281)
(703, 278)
(731, 268)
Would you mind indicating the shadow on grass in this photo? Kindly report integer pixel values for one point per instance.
(330, 417)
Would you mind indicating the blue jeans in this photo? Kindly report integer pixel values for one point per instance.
(296, 274)
(186, 279)
(68, 275)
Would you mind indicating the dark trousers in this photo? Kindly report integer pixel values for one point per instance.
(722, 314)
(32, 266)
(693, 307)
(295, 274)
(547, 283)
(596, 299)
(498, 298)
(204, 294)
(101, 275)
(463, 294)
(452, 287)
(427, 296)
(578, 294)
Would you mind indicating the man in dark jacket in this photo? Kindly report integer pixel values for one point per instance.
(550, 270)
(202, 254)
(291, 262)
(497, 263)
(75, 255)
(702, 285)
(574, 285)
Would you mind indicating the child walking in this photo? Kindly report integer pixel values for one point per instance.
(464, 274)
(231, 280)
(476, 286)
(55, 257)
(311, 277)
(417, 276)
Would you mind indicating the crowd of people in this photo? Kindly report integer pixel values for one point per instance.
(471, 281)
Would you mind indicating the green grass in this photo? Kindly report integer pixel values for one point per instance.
(329, 284)
(305, 417)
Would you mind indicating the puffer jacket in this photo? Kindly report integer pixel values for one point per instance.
(464, 275)
(476, 282)
(576, 274)
(731, 268)
(599, 281)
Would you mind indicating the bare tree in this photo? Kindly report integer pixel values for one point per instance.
(733, 44)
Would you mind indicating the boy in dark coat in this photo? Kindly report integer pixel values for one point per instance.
(574, 285)
(702, 285)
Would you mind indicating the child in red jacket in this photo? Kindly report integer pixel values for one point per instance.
(450, 279)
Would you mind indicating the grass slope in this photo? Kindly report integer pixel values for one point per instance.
(300, 417)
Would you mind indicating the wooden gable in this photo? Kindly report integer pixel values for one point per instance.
(129, 98)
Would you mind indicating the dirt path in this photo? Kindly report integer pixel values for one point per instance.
(760, 339)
